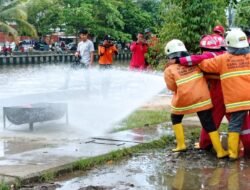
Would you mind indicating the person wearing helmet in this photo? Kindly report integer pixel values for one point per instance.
(191, 95)
(106, 50)
(219, 30)
(211, 46)
(234, 69)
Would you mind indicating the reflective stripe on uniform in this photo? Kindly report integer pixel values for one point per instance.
(187, 79)
(237, 104)
(245, 132)
(214, 54)
(235, 73)
(189, 60)
(194, 106)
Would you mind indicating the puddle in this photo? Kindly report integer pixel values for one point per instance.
(164, 170)
(15, 146)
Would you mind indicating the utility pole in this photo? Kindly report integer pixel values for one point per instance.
(230, 14)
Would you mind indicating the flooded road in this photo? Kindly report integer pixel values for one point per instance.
(163, 170)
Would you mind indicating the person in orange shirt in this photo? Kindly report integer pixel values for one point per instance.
(106, 51)
(191, 95)
(234, 70)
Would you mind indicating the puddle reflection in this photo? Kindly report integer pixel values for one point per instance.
(233, 176)
(152, 171)
(8, 147)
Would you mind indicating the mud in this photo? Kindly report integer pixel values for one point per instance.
(47, 186)
(162, 169)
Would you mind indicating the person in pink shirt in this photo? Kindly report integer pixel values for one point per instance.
(211, 46)
(138, 49)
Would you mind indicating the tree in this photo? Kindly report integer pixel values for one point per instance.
(100, 17)
(45, 15)
(77, 14)
(153, 8)
(108, 19)
(15, 13)
(242, 17)
(189, 23)
(135, 18)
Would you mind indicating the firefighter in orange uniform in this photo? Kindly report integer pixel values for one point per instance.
(191, 95)
(234, 70)
(106, 51)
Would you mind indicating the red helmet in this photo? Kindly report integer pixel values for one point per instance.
(220, 39)
(210, 42)
(219, 29)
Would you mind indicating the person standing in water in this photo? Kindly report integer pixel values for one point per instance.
(234, 70)
(191, 95)
(211, 46)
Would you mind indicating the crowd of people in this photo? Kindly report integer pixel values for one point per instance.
(213, 85)
(108, 49)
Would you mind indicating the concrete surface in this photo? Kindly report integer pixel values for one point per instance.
(23, 158)
(32, 163)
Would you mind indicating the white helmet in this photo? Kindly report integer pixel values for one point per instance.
(236, 39)
(174, 47)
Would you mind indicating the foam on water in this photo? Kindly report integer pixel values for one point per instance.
(96, 98)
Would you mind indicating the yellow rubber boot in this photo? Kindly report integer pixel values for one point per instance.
(179, 134)
(233, 145)
(215, 138)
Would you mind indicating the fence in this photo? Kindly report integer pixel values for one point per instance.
(48, 57)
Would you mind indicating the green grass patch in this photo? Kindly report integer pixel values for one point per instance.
(48, 176)
(223, 127)
(143, 118)
(192, 133)
(4, 186)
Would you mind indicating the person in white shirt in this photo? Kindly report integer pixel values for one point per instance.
(85, 49)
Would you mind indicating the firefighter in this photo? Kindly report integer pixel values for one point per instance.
(234, 70)
(191, 95)
(211, 46)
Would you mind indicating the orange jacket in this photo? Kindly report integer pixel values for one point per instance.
(106, 54)
(190, 89)
(234, 71)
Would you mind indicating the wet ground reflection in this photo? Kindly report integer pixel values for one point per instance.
(166, 171)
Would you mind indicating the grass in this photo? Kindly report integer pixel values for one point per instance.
(86, 164)
(48, 176)
(4, 186)
(143, 118)
(223, 127)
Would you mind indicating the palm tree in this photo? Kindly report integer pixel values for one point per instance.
(13, 12)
